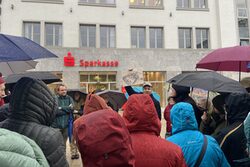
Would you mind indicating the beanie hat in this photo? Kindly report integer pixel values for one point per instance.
(218, 102)
(1, 79)
(181, 90)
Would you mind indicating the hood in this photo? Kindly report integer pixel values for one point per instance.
(94, 103)
(237, 107)
(103, 140)
(183, 118)
(140, 114)
(31, 100)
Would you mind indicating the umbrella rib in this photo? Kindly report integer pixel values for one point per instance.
(10, 67)
(29, 64)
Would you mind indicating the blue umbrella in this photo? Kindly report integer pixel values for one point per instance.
(140, 89)
(14, 48)
(70, 127)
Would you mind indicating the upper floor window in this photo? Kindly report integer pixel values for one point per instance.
(87, 35)
(104, 2)
(107, 37)
(138, 37)
(146, 3)
(156, 37)
(183, 3)
(192, 4)
(185, 37)
(202, 38)
(53, 34)
(32, 31)
(200, 4)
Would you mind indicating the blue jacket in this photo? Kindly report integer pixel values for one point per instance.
(185, 134)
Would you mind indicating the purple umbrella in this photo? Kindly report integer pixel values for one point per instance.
(227, 59)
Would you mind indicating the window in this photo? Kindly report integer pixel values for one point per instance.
(87, 35)
(202, 38)
(109, 2)
(53, 34)
(200, 4)
(156, 37)
(107, 36)
(32, 31)
(148, 3)
(102, 80)
(185, 37)
(243, 27)
(138, 37)
(183, 4)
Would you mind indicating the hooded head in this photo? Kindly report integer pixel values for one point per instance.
(181, 92)
(103, 140)
(237, 107)
(94, 103)
(218, 103)
(140, 114)
(31, 100)
(183, 118)
(2, 86)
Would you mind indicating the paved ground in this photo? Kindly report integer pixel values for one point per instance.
(78, 163)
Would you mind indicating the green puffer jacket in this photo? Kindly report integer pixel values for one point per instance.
(19, 151)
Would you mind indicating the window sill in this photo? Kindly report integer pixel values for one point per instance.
(97, 4)
(45, 1)
(193, 9)
(146, 7)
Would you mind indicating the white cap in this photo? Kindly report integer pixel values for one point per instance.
(147, 84)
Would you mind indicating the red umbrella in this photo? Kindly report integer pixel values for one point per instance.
(227, 59)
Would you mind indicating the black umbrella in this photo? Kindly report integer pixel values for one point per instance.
(116, 98)
(71, 93)
(46, 77)
(208, 80)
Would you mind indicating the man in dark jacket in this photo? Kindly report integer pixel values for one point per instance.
(147, 89)
(32, 110)
(232, 139)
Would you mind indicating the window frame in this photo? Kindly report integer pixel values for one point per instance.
(138, 37)
(155, 39)
(208, 37)
(191, 37)
(88, 40)
(54, 40)
(108, 36)
(32, 33)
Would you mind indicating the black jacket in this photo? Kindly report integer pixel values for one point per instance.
(232, 138)
(32, 110)
(157, 105)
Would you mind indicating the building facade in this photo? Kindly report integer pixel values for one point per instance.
(106, 38)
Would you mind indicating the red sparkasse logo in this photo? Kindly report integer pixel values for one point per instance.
(69, 60)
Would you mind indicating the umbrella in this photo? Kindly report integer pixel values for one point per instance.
(14, 48)
(46, 77)
(71, 92)
(70, 127)
(140, 89)
(116, 98)
(208, 80)
(13, 67)
(227, 59)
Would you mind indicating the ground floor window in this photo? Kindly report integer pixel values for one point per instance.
(90, 81)
(158, 81)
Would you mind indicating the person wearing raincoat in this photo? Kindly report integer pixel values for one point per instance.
(32, 110)
(102, 137)
(144, 126)
(185, 133)
(232, 139)
(18, 150)
(64, 115)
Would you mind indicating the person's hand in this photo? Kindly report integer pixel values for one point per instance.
(204, 118)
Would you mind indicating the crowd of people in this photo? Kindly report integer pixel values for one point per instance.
(36, 124)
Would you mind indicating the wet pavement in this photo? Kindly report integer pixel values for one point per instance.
(78, 162)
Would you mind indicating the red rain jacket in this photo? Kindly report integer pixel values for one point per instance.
(144, 126)
(102, 137)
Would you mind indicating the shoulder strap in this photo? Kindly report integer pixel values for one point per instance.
(229, 133)
(202, 153)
